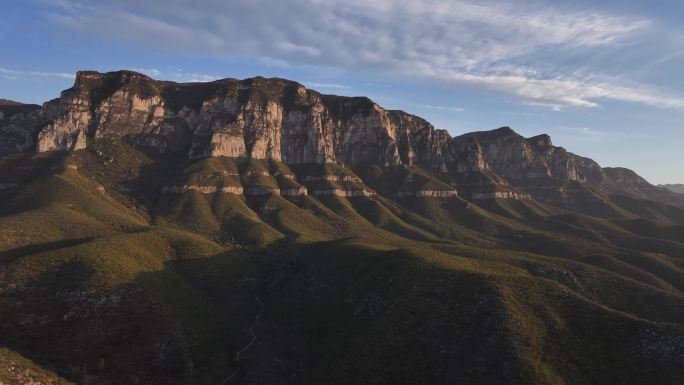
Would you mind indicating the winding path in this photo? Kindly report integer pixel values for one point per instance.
(257, 321)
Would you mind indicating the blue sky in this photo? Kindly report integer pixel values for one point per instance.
(605, 81)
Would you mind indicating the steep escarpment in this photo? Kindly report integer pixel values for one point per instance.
(256, 118)
(514, 157)
(281, 120)
(255, 231)
(619, 180)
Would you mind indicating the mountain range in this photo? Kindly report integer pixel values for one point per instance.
(678, 188)
(256, 231)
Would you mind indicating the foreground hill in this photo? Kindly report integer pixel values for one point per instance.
(258, 232)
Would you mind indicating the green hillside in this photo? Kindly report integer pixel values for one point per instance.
(108, 276)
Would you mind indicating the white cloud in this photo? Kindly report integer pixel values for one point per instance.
(588, 134)
(442, 108)
(7, 73)
(325, 85)
(487, 44)
(176, 74)
(584, 133)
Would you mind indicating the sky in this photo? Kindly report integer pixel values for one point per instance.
(604, 79)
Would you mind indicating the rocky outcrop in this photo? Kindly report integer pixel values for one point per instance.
(256, 118)
(19, 125)
(500, 195)
(343, 193)
(427, 193)
(281, 120)
(294, 192)
(514, 157)
(331, 178)
(237, 190)
(202, 189)
(620, 180)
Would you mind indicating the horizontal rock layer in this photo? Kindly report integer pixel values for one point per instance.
(500, 195)
(428, 193)
(257, 191)
(282, 120)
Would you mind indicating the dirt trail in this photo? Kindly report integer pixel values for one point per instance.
(257, 321)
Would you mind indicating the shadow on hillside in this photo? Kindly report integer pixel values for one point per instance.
(8, 256)
(179, 325)
(335, 309)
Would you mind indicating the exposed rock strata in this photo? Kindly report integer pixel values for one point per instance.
(293, 192)
(428, 193)
(237, 190)
(501, 195)
(282, 120)
(343, 193)
(203, 189)
(332, 178)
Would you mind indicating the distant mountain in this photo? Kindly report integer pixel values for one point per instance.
(5, 102)
(258, 232)
(677, 188)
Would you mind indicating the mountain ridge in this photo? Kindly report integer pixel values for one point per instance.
(381, 250)
(675, 187)
(275, 118)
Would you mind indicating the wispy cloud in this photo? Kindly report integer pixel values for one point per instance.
(7, 73)
(583, 133)
(177, 75)
(461, 43)
(442, 108)
(524, 114)
(326, 85)
(589, 134)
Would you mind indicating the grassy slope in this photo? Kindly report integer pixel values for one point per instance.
(359, 290)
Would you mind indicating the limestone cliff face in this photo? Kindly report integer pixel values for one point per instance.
(514, 157)
(282, 120)
(620, 180)
(257, 118)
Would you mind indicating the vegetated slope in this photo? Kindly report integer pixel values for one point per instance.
(325, 239)
(106, 277)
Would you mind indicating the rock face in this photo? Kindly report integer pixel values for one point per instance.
(620, 180)
(19, 125)
(516, 158)
(257, 118)
(281, 120)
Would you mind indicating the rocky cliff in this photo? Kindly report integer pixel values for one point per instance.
(281, 120)
(19, 125)
(256, 118)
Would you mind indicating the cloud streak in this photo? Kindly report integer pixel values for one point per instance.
(11, 74)
(442, 108)
(177, 75)
(485, 45)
